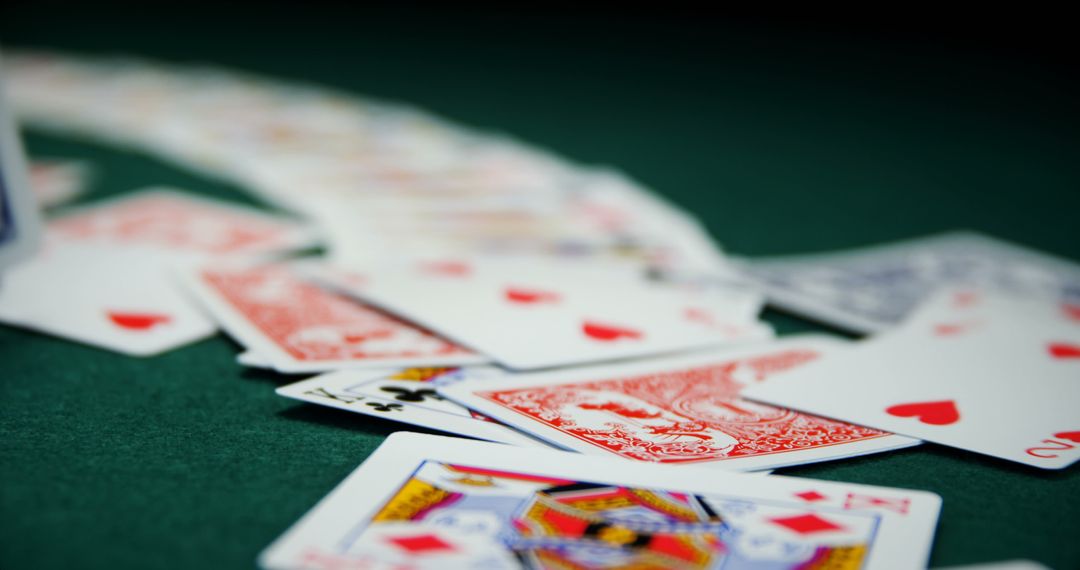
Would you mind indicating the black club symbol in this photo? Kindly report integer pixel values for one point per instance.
(386, 407)
(407, 395)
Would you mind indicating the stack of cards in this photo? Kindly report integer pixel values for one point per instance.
(481, 287)
(379, 180)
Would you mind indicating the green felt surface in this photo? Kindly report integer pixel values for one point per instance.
(779, 142)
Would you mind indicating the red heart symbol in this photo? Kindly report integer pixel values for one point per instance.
(1073, 436)
(137, 321)
(1063, 350)
(950, 329)
(608, 332)
(519, 295)
(1071, 311)
(940, 413)
(963, 299)
(448, 268)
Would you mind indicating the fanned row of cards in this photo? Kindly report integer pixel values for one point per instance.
(606, 350)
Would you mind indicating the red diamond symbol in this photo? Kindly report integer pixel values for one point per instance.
(806, 524)
(421, 544)
(810, 496)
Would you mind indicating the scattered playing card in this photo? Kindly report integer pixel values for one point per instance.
(111, 297)
(407, 396)
(986, 372)
(180, 223)
(252, 359)
(874, 288)
(297, 326)
(425, 501)
(55, 182)
(683, 409)
(105, 276)
(532, 314)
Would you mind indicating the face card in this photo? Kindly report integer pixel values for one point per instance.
(407, 396)
(115, 298)
(684, 409)
(534, 314)
(20, 223)
(300, 327)
(875, 288)
(986, 372)
(430, 502)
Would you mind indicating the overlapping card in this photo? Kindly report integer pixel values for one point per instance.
(983, 371)
(431, 502)
(105, 275)
(478, 286)
(874, 289)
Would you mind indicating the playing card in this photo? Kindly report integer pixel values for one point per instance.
(408, 396)
(987, 372)
(55, 181)
(252, 359)
(874, 288)
(115, 298)
(528, 314)
(181, 224)
(425, 501)
(684, 409)
(19, 219)
(297, 326)
(106, 276)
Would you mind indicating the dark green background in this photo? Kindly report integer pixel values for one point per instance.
(783, 136)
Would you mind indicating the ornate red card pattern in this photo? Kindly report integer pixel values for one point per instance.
(682, 416)
(174, 222)
(323, 326)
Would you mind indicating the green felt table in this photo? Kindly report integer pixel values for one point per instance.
(781, 142)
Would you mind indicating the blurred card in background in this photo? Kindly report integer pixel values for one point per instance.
(107, 273)
(874, 288)
(55, 182)
(20, 223)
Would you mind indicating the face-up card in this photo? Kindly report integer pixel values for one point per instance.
(535, 314)
(167, 220)
(300, 327)
(408, 396)
(875, 288)
(986, 372)
(106, 275)
(684, 409)
(115, 298)
(430, 502)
